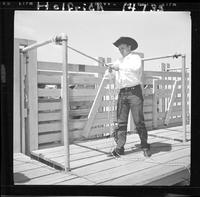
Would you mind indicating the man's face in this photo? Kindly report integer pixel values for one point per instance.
(124, 49)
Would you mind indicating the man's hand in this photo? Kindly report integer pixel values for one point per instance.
(112, 67)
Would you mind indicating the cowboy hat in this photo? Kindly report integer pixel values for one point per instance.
(128, 41)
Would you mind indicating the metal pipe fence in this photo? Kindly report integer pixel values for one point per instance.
(65, 94)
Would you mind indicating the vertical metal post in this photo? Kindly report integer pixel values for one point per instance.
(184, 104)
(22, 116)
(65, 102)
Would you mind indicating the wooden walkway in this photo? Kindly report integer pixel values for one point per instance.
(91, 165)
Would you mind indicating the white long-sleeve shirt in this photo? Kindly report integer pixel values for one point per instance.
(130, 71)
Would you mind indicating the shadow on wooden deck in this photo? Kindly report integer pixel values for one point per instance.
(20, 178)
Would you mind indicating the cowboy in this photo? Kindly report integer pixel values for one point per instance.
(128, 72)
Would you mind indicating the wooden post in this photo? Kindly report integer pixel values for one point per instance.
(17, 97)
(110, 107)
(155, 112)
(65, 102)
(100, 75)
(184, 105)
(163, 87)
(189, 86)
(142, 77)
(132, 126)
(32, 101)
(22, 115)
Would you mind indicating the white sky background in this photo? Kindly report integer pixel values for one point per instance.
(93, 32)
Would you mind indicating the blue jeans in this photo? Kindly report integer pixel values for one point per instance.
(130, 99)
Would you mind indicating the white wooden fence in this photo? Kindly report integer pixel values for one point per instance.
(82, 97)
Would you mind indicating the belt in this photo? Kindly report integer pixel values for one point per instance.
(129, 88)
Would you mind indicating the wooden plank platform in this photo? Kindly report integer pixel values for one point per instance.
(91, 165)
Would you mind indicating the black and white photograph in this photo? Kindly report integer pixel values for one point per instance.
(102, 98)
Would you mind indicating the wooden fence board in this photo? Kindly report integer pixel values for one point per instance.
(72, 67)
(148, 100)
(47, 127)
(161, 74)
(55, 93)
(86, 68)
(49, 79)
(50, 145)
(50, 137)
(167, 82)
(49, 66)
(49, 72)
(81, 98)
(80, 112)
(82, 92)
(49, 116)
(147, 92)
(86, 80)
(49, 106)
(77, 124)
(147, 108)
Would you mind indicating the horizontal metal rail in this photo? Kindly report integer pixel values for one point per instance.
(36, 45)
(175, 68)
(56, 39)
(162, 57)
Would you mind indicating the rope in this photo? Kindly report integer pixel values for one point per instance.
(88, 56)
